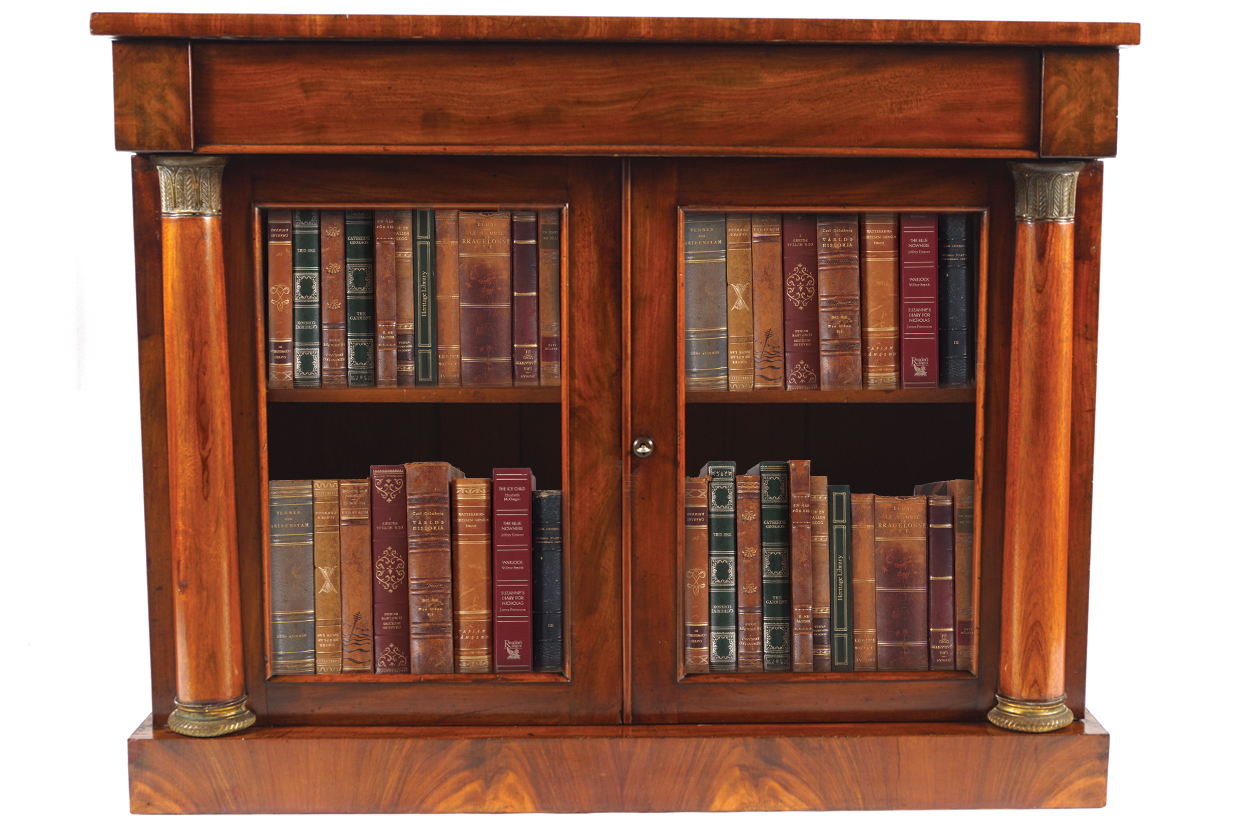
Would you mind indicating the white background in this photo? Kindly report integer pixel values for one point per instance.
(1167, 646)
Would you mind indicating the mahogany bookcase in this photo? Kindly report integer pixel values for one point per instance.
(625, 123)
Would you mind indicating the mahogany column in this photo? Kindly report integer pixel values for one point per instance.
(208, 631)
(1039, 436)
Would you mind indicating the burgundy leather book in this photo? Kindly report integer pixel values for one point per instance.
(333, 301)
(356, 580)
(837, 261)
(750, 575)
(864, 581)
(767, 315)
(902, 583)
(512, 528)
(385, 301)
(941, 583)
(281, 310)
(525, 298)
(549, 296)
(485, 299)
(802, 321)
(822, 645)
(390, 570)
(801, 657)
(428, 496)
(960, 491)
(698, 641)
(918, 299)
(405, 308)
(447, 295)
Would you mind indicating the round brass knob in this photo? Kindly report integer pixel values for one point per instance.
(643, 446)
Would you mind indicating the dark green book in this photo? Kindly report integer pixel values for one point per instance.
(306, 243)
(291, 607)
(775, 541)
(423, 296)
(722, 561)
(840, 578)
(361, 335)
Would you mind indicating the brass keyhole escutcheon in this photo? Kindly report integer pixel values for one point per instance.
(643, 446)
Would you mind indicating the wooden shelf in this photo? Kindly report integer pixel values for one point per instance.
(827, 677)
(775, 397)
(473, 395)
(394, 679)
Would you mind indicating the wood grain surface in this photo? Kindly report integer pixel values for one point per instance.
(152, 95)
(482, 395)
(1080, 102)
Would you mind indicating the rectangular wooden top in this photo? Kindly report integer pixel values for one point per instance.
(607, 29)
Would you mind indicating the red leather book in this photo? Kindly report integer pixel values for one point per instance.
(429, 618)
(801, 657)
(902, 583)
(281, 310)
(864, 581)
(356, 580)
(447, 295)
(878, 251)
(390, 570)
(822, 645)
(525, 298)
(471, 567)
(802, 321)
(405, 309)
(750, 575)
(512, 528)
(698, 641)
(549, 297)
(837, 262)
(385, 298)
(918, 299)
(960, 491)
(767, 315)
(485, 299)
(941, 583)
(333, 301)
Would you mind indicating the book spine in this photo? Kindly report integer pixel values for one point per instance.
(356, 574)
(548, 582)
(281, 321)
(696, 575)
(707, 328)
(941, 584)
(328, 580)
(405, 307)
(741, 323)
(361, 332)
(768, 318)
(429, 607)
(902, 583)
(549, 297)
(447, 295)
(842, 620)
(837, 265)
(390, 570)
(864, 582)
(306, 287)
(333, 302)
(918, 299)
(775, 541)
(802, 320)
(954, 312)
(878, 246)
(513, 535)
(525, 298)
(471, 566)
(965, 632)
(384, 302)
(291, 606)
(486, 302)
(750, 575)
(425, 310)
(822, 655)
(722, 579)
(801, 564)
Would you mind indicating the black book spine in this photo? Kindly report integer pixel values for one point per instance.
(954, 309)
(548, 582)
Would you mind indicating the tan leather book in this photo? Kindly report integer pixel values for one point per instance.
(385, 297)
(879, 294)
(447, 295)
(405, 315)
(333, 301)
(471, 573)
(486, 299)
(965, 630)
(281, 300)
(767, 315)
(837, 262)
(356, 574)
(695, 578)
(864, 581)
(327, 599)
(902, 548)
(801, 565)
(428, 488)
(549, 297)
(822, 645)
(750, 575)
(738, 297)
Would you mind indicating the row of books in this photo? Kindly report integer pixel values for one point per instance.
(784, 572)
(417, 569)
(806, 301)
(422, 297)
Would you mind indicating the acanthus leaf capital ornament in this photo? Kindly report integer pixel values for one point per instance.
(1046, 190)
(190, 185)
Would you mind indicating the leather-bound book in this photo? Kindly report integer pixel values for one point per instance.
(802, 319)
(486, 300)
(841, 614)
(822, 657)
(548, 582)
(801, 564)
(512, 532)
(390, 570)
(471, 569)
(385, 302)
(424, 307)
(405, 308)
(767, 314)
(549, 297)
(878, 252)
(961, 493)
(361, 330)
(707, 327)
(941, 583)
(281, 320)
(722, 557)
(918, 299)
(525, 298)
(447, 295)
(306, 287)
(750, 575)
(837, 266)
(333, 302)
(291, 607)
(902, 583)
(864, 582)
(428, 611)
(695, 578)
(954, 309)
(328, 601)
(741, 343)
(775, 542)
(356, 574)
